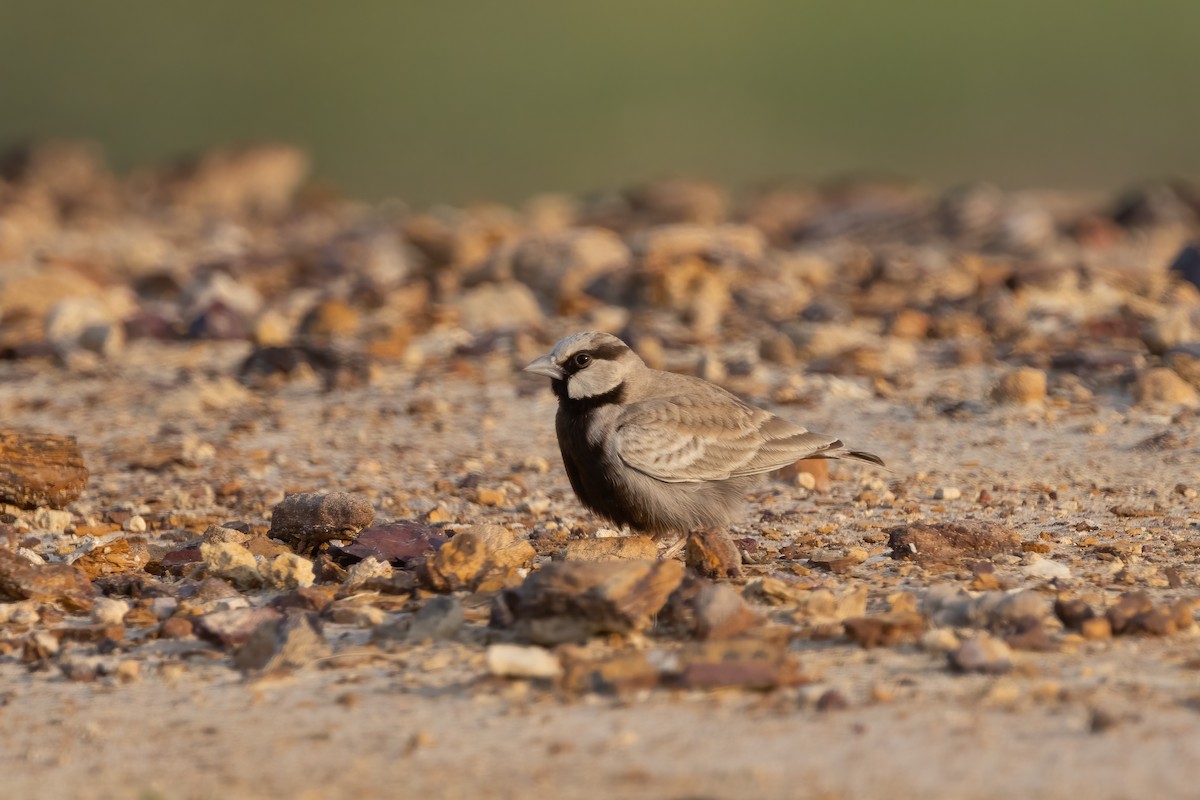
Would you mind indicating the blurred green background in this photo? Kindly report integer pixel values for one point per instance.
(458, 100)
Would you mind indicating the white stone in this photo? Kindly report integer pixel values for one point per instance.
(51, 521)
(369, 568)
(232, 562)
(289, 571)
(947, 493)
(516, 661)
(109, 611)
(1046, 569)
(135, 524)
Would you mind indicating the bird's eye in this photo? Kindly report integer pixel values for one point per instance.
(582, 360)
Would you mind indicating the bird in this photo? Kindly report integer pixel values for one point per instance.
(663, 453)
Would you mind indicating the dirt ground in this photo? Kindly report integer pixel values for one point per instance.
(217, 340)
(1115, 718)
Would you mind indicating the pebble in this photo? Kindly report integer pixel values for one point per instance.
(135, 524)
(289, 642)
(721, 613)
(611, 549)
(940, 640)
(368, 569)
(288, 571)
(952, 541)
(518, 661)
(947, 493)
(109, 611)
(1047, 570)
(1163, 386)
(359, 616)
(232, 562)
(306, 520)
(439, 618)
(1024, 386)
(982, 653)
(51, 521)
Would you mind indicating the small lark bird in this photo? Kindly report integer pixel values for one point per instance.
(665, 454)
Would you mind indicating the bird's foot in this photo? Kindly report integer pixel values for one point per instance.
(673, 549)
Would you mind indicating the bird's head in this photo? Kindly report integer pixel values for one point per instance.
(587, 365)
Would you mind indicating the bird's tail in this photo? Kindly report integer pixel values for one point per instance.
(837, 449)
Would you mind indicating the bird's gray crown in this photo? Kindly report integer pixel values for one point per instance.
(587, 364)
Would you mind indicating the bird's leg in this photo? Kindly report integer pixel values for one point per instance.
(673, 549)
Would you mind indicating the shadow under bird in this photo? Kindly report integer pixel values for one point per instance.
(665, 454)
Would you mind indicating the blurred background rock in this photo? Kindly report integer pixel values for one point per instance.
(459, 101)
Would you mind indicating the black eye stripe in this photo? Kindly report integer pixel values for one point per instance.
(608, 352)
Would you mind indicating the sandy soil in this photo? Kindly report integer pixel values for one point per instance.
(1103, 719)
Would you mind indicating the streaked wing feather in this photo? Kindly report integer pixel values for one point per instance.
(684, 439)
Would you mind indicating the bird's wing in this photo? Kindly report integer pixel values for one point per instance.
(685, 439)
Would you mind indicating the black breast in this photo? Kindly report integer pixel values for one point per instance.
(587, 464)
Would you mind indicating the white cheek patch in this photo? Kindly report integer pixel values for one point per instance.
(600, 377)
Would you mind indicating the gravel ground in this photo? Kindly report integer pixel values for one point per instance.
(1026, 366)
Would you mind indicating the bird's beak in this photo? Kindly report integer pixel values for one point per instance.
(544, 366)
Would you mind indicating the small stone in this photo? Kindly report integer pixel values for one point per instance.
(983, 653)
(940, 640)
(507, 549)
(810, 473)
(51, 521)
(357, 615)
(1163, 386)
(886, 630)
(330, 320)
(439, 618)
(232, 562)
(109, 611)
(135, 524)
(508, 306)
(1025, 386)
(619, 673)
(84, 322)
(518, 661)
(947, 493)
(611, 549)
(1011, 610)
(128, 671)
(271, 329)
(305, 521)
(458, 564)
(952, 542)
(61, 584)
(40, 469)
(118, 556)
(1073, 612)
(832, 700)
(747, 663)
(313, 598)
(721, 613)
(399, 543)
(288, 571)
(232, 627)
(368, 569)
(1129, 606)
(1095, 628)
(290, 642)
(1047, 570)
(38, 646)
(570, 601)
(485, 496)
(712, 554)
(19, 613)
(176, 628)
